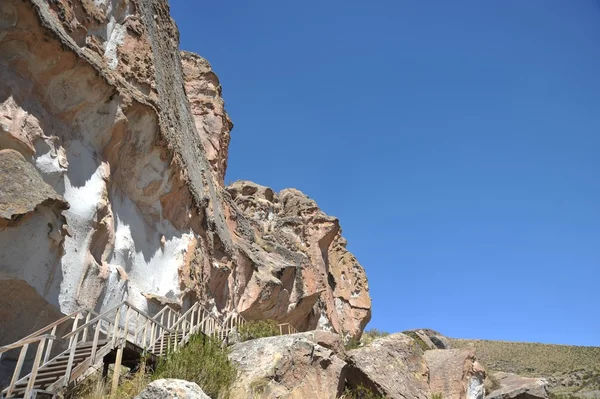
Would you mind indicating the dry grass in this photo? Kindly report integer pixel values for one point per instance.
(570, 370)
(531, 358)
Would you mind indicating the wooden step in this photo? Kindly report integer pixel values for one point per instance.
(40, 381)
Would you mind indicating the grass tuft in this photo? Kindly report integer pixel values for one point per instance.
(360, 392)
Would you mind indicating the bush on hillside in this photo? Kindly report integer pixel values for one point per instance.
(202, 361)
(360, 392)
(258, 329)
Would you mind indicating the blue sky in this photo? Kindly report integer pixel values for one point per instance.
(458, 143)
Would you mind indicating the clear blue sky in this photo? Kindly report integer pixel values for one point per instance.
(457, 141)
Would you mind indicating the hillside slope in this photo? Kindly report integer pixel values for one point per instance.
(570, 370)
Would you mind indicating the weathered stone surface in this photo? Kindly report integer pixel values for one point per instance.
(212, 122)
(429, 339)
(455, 374)
(22, 189)
(288, 366)
(170, 388)
(514, 386)
(392, 366)
(302, 256)
(132, 134)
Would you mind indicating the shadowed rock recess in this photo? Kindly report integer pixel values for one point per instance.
(113, 154)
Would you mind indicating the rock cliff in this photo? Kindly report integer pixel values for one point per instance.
(114, 151)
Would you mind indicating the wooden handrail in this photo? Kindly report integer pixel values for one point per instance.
(101, 317)
(52, 325)
(290, 329)
(26, 341)
(160, 335)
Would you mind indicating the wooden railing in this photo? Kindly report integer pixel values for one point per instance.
(110, 331)
(45, 346)
(286, 328)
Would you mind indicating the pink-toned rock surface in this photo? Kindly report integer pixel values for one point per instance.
(212, 122)
(130, 138)
(392, 366)
(455, 374)
(289, 366)
(301, 255)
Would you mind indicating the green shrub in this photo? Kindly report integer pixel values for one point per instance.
(360, 392)
(436, 396)
(202, 361)
(352, 343)
(258, 329)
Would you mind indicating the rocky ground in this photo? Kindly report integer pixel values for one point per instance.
(419, 364)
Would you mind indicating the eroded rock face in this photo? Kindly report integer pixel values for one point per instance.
(170, 388)
(392, 366)
(455, 374)
(100, 107)
(212, 122)
(512, 386)
(318, 283)
(289, 366)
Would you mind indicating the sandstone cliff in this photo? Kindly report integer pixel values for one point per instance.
(114, 150)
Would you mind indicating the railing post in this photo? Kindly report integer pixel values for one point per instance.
(192, 320)
(137, 323)
(127, 318)
(85, 330)
(70, 363)
(18, 368)
(116, 327)
(117, 371)
(145, 335)
(36, 365)
(75, 322)
(152, 336)
(162, 340)
(95, 342)
(49, 346)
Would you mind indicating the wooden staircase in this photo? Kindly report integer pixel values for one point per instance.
(120, 335)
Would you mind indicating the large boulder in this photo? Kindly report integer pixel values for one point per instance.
(288, 366)
(512, 386)
(170, 388)
(455, 373)
(392, 366)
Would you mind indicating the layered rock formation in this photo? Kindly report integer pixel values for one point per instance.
(120, 142)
